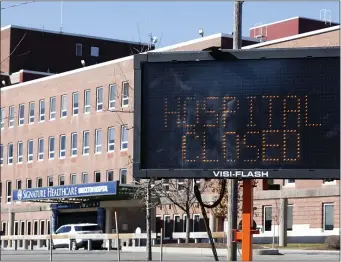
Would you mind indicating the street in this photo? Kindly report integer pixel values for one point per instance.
(82, 255)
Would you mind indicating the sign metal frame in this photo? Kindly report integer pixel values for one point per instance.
(225, 55)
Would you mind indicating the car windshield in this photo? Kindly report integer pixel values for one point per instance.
(87, 228)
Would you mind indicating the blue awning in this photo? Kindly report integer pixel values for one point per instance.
(66, 192)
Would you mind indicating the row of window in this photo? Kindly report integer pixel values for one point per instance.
(62, 181)
(40, 227)
(94, 50)
(63, 146)
(64, 107)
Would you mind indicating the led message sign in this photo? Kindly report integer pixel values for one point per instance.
(241, 118)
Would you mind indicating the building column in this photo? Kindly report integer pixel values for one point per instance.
(54, 217)
(100, 217)
(108, 224)
(212, 222)
(283, 222)
(10, 226)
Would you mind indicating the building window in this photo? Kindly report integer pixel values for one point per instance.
(75, 103)
(94, 51)
(61, 180)
(125, 94)
(73, 179)
(177, 223)
(39, 182)
(2, 118)
(290, 216)
(99, 99)
(35, 227)
(9, 191)
(74, 146)
(184, 222)
(124, 137)
(110, 175)
(0, 192)
(29, 183)
(42, 110)
(52, 108)
(79, 49)
(62, 146)
(123, 176)
(165, 184)
(87, 101)
(30, 150)
(49, 181)
(289, 182)
(51, 147)
(98, 141)
(328, 217)
(11, 116)
(85, 178)
(22, 228)
(112, 96)
(111, 139)
(40, 148)
(86, 146)
(21, 114)
(29, 227)
(20, 152)
(18, 184)
(97, 176)
(10, 154)
(31, 113)
(196, 223)
(180, 184)
(167, 226)
(267, 218)
(63, 107)
(3, 227)
(1, 154)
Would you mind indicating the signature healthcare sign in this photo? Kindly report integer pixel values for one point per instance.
(69, 191)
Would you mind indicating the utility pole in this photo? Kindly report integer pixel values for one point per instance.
(232, 213)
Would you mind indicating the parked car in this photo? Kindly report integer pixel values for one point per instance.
(75, 229)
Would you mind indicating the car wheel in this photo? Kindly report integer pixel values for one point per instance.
(73, 245)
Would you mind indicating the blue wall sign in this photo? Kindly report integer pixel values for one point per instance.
(70, 191)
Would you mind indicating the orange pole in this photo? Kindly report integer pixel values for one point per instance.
(247, 220)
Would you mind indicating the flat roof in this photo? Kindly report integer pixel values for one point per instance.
(127, 58)
(72, 34)
(293, 37)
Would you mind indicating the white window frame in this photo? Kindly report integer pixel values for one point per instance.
(184, 222)
(9, 196)
(94, 51)
(164, 226)
(174, 222)
(10, 158)
(49, 179)
(2, 118)
(79, 49)
(53, 109)
(292, 218)
(264, 218)
(42, 110)
(180, 184)
(30, 154)
(86, 147)
(95, 173)
(59, 180)
(87, 104)
(1, 154)
(63, 106)
(73, 175)
(126, 175)
(324, 216)
(112, 100)
(83, 175)
(111, 145)
(125, 99)
(62, 147)
(193, 221)
(75, 108)
(165, 184)
(108, 171)
(40, 149)
(99, 104)
(21, 115)
(124, 144)
(11, 117)
(20, 155)
(289, 183)
(27, 180)
(74, 150)
(98, 141)
(52, 152)
(31, 112)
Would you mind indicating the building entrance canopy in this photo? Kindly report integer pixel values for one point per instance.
(69, 193)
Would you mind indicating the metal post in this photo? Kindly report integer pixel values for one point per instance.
(51, 244)
(161, 245)
(232, 219)
(118, 239)
(247, 220)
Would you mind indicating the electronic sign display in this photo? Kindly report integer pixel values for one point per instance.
(253, 117)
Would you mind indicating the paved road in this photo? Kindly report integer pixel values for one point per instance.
(82, 255)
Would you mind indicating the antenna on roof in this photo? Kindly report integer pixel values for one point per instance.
(326, 16)
(61, 16)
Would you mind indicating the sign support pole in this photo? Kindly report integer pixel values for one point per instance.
(247, 220)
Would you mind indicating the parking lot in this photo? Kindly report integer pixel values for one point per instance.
(83, 255)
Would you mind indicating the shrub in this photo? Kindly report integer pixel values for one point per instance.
(333, 242)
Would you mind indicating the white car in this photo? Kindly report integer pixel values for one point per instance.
(74, 229)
